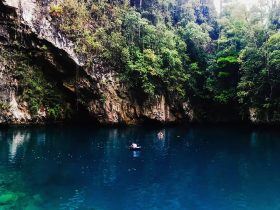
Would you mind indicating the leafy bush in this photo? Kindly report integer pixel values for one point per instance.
(56, 10)
(37, 91)
(4, 106)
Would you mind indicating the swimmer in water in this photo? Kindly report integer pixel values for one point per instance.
(160, 135)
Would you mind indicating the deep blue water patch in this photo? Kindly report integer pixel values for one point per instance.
(192, 168)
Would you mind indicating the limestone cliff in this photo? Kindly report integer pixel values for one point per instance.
(43, 79)
(94, 91)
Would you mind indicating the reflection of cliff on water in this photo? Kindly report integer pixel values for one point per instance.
(18, 138)
(111, 157)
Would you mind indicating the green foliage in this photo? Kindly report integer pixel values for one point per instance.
(180, 48)
(56, 10)
(149, 57)
(260, 80)
(4, 106)
(37, 91)
(223, 79)
(227, 60)
(199, 41)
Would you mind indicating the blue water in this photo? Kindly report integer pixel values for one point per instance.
(192, 168)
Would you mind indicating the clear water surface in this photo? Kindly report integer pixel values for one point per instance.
(192, 168)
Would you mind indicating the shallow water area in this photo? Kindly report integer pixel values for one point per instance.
(86, 168)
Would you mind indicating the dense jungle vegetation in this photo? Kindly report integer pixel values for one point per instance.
(182, 48)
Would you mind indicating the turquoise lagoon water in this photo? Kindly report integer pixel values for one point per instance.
(192, 168)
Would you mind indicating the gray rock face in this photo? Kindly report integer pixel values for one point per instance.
(10, 110)
(35, 15)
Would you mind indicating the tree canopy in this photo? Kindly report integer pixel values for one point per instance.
(182, 49)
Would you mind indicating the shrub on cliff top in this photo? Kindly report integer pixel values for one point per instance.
(56, 10)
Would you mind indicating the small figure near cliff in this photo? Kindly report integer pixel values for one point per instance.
(160, 135)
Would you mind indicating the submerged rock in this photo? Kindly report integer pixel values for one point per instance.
(8, 198)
